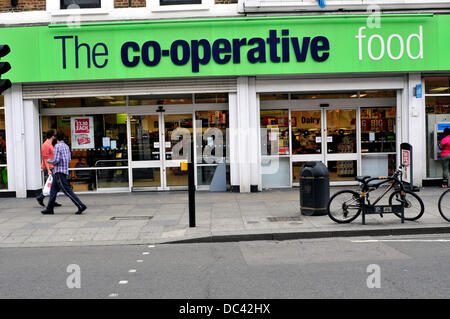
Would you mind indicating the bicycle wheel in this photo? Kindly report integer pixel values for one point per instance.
(444, 205)
(413, 204)
(344, 206)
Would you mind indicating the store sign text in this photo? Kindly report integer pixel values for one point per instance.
(201, 52)
(386, 45)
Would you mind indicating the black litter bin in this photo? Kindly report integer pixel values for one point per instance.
(314, 189)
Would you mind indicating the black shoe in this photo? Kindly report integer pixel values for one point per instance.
(57, 205)
(81, 210)
(47, 212)
(40, 201)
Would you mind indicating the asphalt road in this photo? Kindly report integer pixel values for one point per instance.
(408, 267)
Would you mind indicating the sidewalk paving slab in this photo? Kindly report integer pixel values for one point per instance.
(220, 217)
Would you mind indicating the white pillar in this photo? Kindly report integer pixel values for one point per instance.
(233, 140)
(32, 145)
(244, 133)
(416, 125)
(16, 141)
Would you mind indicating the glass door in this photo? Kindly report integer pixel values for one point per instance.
(157, 150)
(146, 158)
(177, 135)
(306, 137)
(329, 136)
(341, 154)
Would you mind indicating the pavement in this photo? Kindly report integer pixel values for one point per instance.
(163, 217)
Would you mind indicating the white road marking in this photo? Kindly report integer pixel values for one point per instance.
(123, 282)
(402, 240)
(151, 246)
(113, 295)
(132, 270)
(145, 253)
(139, 261)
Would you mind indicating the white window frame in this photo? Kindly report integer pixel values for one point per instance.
(53, 7)
(154, 6)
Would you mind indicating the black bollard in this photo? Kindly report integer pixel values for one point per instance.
(191, 187)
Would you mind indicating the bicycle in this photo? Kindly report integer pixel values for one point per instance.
(346, 205)
(444, 204)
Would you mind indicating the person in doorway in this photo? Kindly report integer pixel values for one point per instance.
(445, 155)
(61, 162)
(46, 154)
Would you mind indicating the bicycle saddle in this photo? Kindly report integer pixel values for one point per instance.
(362, 179)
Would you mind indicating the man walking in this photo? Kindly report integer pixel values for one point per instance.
(61, 170)
(46, 154)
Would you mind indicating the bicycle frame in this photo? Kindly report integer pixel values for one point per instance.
(368, 208)
(366, 191)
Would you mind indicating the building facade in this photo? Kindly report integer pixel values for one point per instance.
(260, 86)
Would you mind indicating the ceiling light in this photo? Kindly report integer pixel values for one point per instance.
(442, 88)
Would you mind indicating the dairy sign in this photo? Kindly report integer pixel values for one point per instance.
(82, 130)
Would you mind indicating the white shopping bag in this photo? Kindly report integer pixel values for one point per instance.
(47, 186)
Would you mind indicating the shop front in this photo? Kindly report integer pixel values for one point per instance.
(135, 142)
(352, 133)
(258, 97)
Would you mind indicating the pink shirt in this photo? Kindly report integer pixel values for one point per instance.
(446, 143)
(46, 153)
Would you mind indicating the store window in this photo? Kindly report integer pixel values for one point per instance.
(318, 96)
(275, 162)
(378, 140)
(80, 4)
(97, 101)
(273, 96)
(275, 132)
(341, 131)
(160, 99)
(211, 98)
(3, 166)
(306, 132)
(378, 130)
(437, 108)
(99, 149)
(211, 141)
(377, 94)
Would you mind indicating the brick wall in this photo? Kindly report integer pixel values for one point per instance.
(126, 3)
(24, 5)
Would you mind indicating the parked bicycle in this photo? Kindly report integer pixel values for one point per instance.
(444, 205)
(345, 206)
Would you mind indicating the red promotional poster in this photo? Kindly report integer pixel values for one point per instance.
(81, 126)
(82, 129)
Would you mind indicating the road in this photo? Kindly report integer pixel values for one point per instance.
(395, 267)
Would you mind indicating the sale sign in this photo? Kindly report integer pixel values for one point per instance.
(82, 129)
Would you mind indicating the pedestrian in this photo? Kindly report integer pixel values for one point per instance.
(46, 154)
(445, 156)
(61, 162)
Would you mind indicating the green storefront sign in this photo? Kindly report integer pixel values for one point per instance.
(226, 47)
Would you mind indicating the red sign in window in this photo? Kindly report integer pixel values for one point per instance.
(81, 126)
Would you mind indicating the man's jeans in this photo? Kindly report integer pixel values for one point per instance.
(60, 183)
